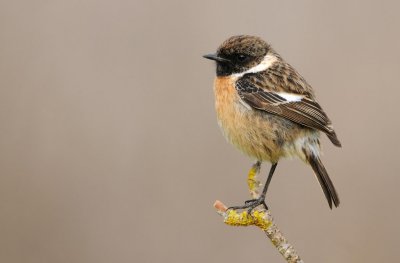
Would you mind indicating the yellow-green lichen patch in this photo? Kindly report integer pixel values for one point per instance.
(251, 179)
(234, 218)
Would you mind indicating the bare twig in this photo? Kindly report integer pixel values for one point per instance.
(261, 218)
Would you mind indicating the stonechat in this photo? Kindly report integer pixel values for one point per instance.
(268, 111)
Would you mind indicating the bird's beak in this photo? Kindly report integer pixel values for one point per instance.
(216, 58)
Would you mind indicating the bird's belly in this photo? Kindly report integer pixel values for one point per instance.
(253, 132)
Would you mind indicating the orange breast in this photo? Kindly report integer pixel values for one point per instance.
(241, 125)
(225, 98)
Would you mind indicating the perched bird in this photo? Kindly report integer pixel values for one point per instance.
(268, 111)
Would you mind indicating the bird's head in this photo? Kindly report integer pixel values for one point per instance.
(240, 54)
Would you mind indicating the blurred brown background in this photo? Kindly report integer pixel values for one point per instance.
(110, 150)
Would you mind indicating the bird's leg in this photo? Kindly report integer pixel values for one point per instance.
(261, 199)
(271, 173)
(251, 204)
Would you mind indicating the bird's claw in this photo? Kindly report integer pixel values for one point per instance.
(250, 205)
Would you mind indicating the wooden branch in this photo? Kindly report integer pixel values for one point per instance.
(259, 217)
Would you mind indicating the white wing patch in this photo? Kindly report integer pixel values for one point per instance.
(290, 97)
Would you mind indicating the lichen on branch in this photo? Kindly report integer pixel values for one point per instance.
(259, 217)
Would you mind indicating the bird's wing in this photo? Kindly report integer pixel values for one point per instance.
(298, 108)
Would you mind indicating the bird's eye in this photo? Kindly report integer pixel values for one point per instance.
(242, 57)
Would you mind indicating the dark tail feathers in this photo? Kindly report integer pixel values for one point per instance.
(324, 180)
